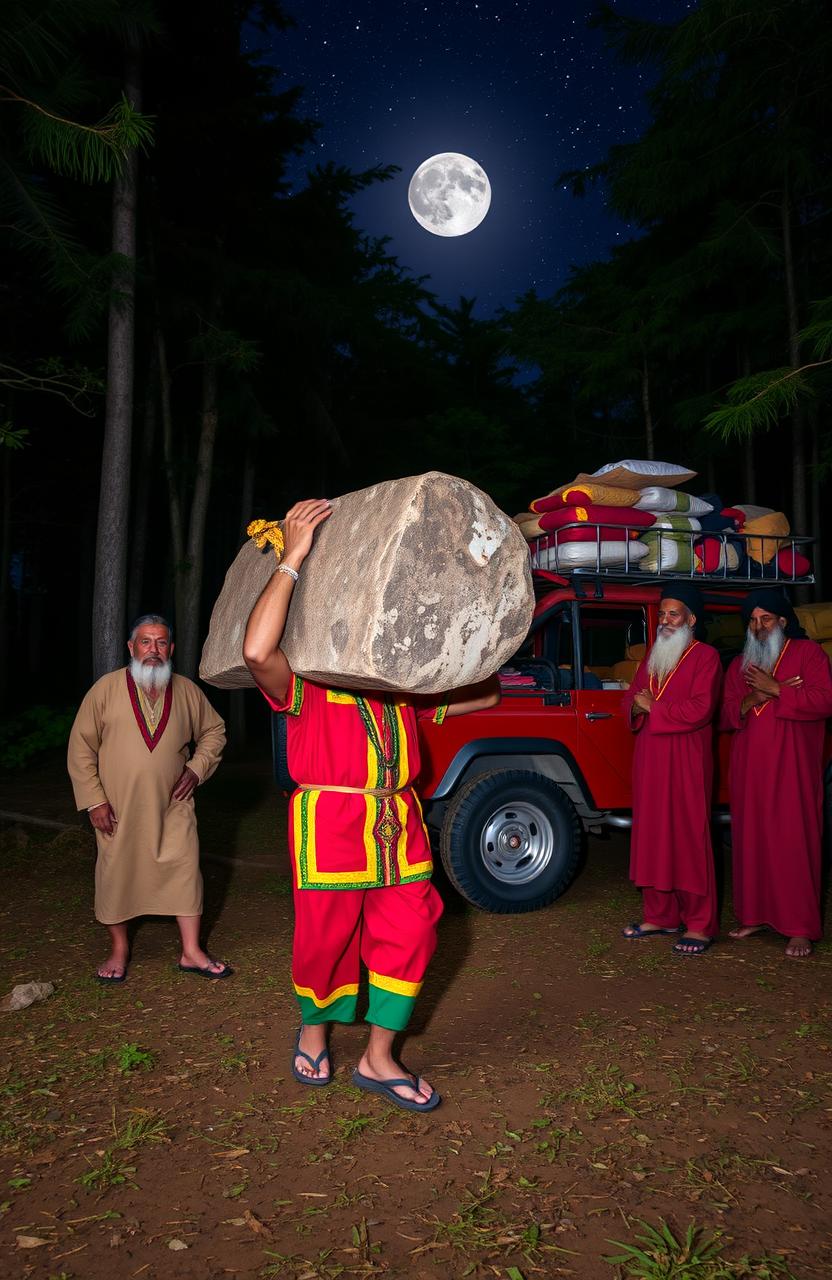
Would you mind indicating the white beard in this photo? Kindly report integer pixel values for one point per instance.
(151, 677)
(763, 653)
(667, 650)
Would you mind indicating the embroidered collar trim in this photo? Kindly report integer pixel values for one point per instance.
(151, 737)
(758, 711)
(658, 689)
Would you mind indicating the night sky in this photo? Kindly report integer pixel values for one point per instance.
(525, 88)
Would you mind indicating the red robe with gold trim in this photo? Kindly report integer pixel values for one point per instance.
(673, 773)
(777, 793)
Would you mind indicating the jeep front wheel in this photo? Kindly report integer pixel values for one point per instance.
(511, 841)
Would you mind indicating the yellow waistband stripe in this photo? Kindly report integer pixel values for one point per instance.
(397, 985)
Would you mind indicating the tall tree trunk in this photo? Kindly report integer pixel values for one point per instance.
(817, 516)
(110, 590)
(799, 513)
(5, 569)
(189, 622)
(237, 697)
(177, 524)
(749, 470)
(648, 413)
(141, 517)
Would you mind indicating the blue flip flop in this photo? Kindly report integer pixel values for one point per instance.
(692, 946)
(638, 933)
(112, 979)
(314, 1063)
(387, 1089)
(225, 972)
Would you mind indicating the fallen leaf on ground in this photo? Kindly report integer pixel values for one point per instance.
(251, 1220)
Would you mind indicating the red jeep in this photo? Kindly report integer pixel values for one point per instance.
(511, 792)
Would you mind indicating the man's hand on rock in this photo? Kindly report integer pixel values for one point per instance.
(185, 785)
(299, 525)
(103, 818)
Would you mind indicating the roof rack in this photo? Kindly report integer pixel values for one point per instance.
(549, 556)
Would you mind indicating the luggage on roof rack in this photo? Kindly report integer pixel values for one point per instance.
(665, 553)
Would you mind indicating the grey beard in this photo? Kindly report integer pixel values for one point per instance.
(149, 676)
(763, 653)
(667, 650)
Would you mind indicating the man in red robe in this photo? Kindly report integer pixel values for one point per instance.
(778, 695)
(671, 704)
(361, 859)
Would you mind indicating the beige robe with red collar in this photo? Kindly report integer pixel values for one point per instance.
(150, 865)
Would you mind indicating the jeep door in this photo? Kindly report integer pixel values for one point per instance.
(610, 640)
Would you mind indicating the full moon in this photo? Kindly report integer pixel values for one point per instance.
(449, 194)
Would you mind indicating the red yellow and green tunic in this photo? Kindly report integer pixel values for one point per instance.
(368, 843)
(354, 839)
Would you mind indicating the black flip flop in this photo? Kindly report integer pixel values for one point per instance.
(225, 972)
(315, 1063)
(387, 1089)
(111, 981)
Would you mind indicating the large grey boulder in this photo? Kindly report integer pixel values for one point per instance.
(420, 585)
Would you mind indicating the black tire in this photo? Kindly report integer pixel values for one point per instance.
(482, 823)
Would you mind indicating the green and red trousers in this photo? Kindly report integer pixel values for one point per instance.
(391, 930)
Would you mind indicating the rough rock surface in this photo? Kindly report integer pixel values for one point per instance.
(20, 997)
(419, 585)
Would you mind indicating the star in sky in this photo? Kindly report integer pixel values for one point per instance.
(526, 89)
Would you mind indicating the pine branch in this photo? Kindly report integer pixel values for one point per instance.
(74, 384)
(758, 402)
(89, 153)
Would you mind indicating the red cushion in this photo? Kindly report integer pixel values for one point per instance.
(734, 513)
(708, 554)
(613, 518)
(791, 561)
(609, 533)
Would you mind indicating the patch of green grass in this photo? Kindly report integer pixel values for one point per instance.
(475, 1225)
(551, 1146)
(236, 1190)
(129, 1057)
(657, 1254)
(142, 1127)
(234, 1062)
(605, 1089)
(347, 1127)
(320, 1268)
(807, 1029)
(598, 945)
(106, 1175)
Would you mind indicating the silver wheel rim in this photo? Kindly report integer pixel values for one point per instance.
(517, 843)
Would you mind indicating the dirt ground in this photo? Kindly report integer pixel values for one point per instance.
(589, 1083)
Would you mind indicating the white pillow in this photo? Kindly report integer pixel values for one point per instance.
(636, 473)
(657, 498)
(587, 555)
(670, 520)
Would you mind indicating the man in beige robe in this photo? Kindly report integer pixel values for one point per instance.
(131, 769)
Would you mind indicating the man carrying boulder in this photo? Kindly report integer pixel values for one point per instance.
(361, 860)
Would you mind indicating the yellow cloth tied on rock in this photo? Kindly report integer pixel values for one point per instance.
(264, 533)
